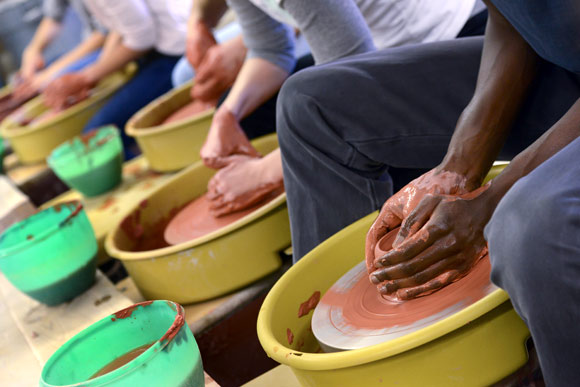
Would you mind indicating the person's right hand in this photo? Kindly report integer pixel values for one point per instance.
(401, 204)
(199, 40)
(67, 90)
(218, 69)
(225, 140)
(32, 61)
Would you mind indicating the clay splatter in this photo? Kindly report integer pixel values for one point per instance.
(29, 237)
(176, 327)
(107, 203)
(309, 304)
(290, 336)
(102, 300)
(127, 312)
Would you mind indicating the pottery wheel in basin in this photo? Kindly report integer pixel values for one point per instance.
(352, 314)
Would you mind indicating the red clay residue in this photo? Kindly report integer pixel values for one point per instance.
(147, 185)
(175, 327)
(143, 204)
(127, 312)
(290, 336)
(309, 304)
(364, 308)
(147, 237)
(29, 237)
(300, 344)
(197, 220)
(86, 138)
(107, 203)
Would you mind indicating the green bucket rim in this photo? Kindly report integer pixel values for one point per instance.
(68, 156)
(146, 356)
(26, 244)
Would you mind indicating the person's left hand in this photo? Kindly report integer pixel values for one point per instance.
(67, 90)
(244, 183)
(25, 90)
(438, 243)
(225, 141)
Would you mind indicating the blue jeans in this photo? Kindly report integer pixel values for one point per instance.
(81, 63)
(152, 80)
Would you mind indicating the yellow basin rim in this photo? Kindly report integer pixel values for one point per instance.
(313, 362)
(279, 201)
(337, 360)
(109, 86)
(132, 131)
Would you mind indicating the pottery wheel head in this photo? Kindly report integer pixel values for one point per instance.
(352, 314)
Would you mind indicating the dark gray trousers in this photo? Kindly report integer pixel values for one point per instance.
(534, 245)
(342, 125)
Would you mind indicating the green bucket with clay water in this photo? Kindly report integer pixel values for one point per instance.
(146, 344)
(51, 255)
(92, 163)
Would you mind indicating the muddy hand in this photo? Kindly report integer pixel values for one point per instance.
(244, 183)
(67, 90)
(199, 40)
(438, 243)
(32, 62)
(225, 139)
(218, 70)
(398, 206)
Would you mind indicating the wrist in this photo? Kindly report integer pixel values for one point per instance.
(89, 76)
(464, 167)
(228, 109)
(32, 49)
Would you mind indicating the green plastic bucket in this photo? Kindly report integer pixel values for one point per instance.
(51, 255)
(173, 359)
(92, 164)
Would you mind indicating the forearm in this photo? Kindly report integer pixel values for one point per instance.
(566, 130)
(257, 81)
(508, 66)
(45, 33)
(207, 11)
(92, 43)
(114, 57)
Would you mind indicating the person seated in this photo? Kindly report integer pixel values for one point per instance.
(33, 74)
(147, 31)
(455, 107)
(340, 29)
(222, 50)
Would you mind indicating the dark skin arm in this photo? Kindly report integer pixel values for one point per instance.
(442, 237)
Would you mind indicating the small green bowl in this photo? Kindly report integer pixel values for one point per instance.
(92, 163)
(51, 255)
(154, 331)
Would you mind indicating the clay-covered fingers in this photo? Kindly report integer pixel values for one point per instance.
(429, 287)
(385, 222)
(416, 259)
(417, 218)
(436, 272)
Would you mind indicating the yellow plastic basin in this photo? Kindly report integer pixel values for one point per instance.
(172, 146)
(32, 144)
(477, 346)
(214, 264)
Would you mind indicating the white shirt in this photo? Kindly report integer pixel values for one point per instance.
(145, 24)
(398, 22)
